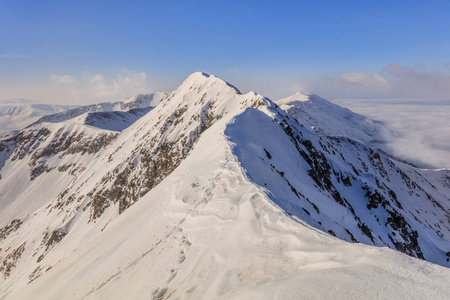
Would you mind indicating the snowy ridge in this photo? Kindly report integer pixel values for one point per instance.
(326, 118)
(342, 187)
(140, 101)
(32, 110)
(111, 120)
(214, 194)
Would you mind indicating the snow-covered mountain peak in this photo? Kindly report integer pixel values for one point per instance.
(141, 100)
(313, 99)
(201, 80)
(299, 96)
(326, 118)
(213, 194)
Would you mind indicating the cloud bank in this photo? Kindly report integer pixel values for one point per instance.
(423, 127)
(392, 81)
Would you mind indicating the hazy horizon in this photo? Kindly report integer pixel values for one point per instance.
(84, 52)
(375, 58)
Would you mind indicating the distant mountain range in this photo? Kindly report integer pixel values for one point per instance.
(15, 114)
(208, 193)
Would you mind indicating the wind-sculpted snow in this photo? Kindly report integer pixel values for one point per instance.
(343, 187)
(175, 125)
(108, 172)
(211, 194)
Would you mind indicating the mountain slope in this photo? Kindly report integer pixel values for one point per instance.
(342, 187)
(39, 162)
(111, 120)
(140, 101)
(17, 115)
(326, 118)
(206, 232)
(214, 194)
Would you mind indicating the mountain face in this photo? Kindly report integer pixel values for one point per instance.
(209, 193)
(111, 120)
(132, 103)
(325, 118)
(18, 113)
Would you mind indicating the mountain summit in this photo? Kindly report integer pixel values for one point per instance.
(208, 193)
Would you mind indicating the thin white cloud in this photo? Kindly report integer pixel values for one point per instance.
(86, 88)
(94, 88)
(418, 80)
(62, 79)
(365, 80)
(14, 55)
(126, 83)
(413, 100)
(392, 81)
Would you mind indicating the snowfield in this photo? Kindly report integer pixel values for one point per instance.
(214, 194)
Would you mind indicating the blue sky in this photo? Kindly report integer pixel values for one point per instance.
(87, 51)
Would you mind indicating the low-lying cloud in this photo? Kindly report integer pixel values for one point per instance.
(423, 127)
(412, 100)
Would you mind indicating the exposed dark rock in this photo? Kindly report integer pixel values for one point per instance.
(8, 229)
(35, 274)
(351, 236)
(366, 230)
(10, 261)
(410, 244)
(375, 198)
(52, 239)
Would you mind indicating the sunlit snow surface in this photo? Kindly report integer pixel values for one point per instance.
(15, 116)
(223, 225)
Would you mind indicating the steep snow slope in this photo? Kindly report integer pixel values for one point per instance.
(111, 120)
(342, 187)
(212, 194)
(206, 232)
(14, 116)
(119, 174)
(37, 163)
(326, 118)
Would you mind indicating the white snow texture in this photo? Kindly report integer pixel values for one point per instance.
(207, 193)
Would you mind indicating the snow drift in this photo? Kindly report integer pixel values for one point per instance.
(216, 194)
